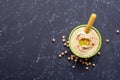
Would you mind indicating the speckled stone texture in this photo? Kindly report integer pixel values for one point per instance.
(28, 26)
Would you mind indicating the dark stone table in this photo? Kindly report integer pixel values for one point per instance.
(26, 30)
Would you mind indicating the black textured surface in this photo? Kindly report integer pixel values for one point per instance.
(26, 30)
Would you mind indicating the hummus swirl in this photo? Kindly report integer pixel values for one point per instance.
(84, 44)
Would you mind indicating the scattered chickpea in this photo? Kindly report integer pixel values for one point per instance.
(63, 40)
(76, 57)
(65, 51)
(73, 66)
(117, 31)
(87, 68)
(63, 37)
(98, 53)
(83, 62)
(80, 60)
(71, 58)
(86, 59)
(53, 40)
(89, 63)
(68, 58)
(75, 60)
(60, 55)
(86, 63)
(93, 65)
(107, 40)
(65, 44)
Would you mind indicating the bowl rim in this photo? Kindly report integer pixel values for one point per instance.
(99, 46)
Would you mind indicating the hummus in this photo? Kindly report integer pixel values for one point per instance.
(84, 45)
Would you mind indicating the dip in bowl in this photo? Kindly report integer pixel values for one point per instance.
(84, 45)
